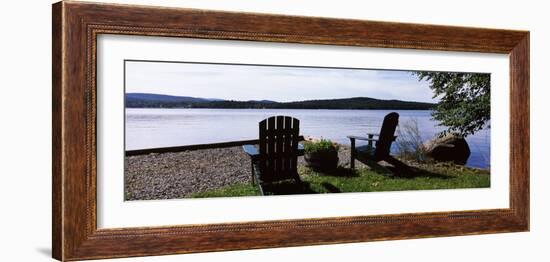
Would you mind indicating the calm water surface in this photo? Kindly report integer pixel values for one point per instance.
(149, 128)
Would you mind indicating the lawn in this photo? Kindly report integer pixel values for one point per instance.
(423, 177)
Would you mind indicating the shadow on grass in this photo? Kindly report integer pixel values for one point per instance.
(340, 171)
(402, 170)
(288, 188)
(396, 169)
(297, 188)
(331, 188)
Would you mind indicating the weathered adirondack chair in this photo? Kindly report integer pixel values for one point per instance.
(381, 150)
(278, 152)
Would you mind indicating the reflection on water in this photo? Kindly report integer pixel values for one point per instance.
(149, 128)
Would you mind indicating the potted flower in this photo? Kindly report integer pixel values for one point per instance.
(321, 155)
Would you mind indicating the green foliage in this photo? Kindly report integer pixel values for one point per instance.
(323, 145)
(464, 106)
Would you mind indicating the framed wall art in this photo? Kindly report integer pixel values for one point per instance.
(182, 130)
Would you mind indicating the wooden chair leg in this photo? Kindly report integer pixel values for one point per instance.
(252, 172)
(261, 189)
(256, 179)
(352, 154)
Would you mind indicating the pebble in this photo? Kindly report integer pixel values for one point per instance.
(180, 174)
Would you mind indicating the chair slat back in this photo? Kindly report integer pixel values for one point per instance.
(387, 136)
(279, 137)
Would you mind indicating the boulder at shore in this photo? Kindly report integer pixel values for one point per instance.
(448, 148)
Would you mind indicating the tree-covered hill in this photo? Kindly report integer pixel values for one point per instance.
(135, 100)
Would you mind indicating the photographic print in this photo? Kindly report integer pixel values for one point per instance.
(195, 130)
(280, 131)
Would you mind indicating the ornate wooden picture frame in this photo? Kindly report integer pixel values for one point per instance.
(76, 26)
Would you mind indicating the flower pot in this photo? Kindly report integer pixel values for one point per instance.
(322, 161)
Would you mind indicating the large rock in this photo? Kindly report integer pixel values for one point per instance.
(448, 148)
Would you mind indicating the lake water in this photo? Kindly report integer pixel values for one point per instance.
(150, 128)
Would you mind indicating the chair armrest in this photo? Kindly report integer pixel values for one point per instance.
(252, 151)
(373, 134)
(362, 138)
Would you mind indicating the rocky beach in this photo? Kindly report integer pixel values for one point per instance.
(180, 174)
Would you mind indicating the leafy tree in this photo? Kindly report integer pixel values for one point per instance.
(464, 106)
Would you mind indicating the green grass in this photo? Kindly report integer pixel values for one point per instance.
(230, 191)
(424, 177)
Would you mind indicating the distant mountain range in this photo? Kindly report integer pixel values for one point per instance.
(144, 100)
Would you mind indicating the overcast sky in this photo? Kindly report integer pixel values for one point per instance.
(277, 83)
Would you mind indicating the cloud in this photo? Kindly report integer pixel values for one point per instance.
(279, 83)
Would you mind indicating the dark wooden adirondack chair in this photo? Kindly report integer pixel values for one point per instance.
(278, 152)
(383, 141)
